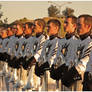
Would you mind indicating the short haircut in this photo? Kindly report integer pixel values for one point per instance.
(74, 19)
(87, 19)
(30, 24)
(55, 21)
(17, 23)
(41, 22)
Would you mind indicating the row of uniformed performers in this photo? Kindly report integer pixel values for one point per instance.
(67, 59)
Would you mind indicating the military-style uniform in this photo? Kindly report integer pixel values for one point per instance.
(47, 56)
(27, 49)
(40, 40)
(76, 72)
(85, 64)
(66, 57)
(67, 51)
(19, 43)
(85, 49)
(10, 44)
(5, 45)
(3, 52)
(12, 49)
(19, 53)
(70, 55)
(35, 48)
(87, 78)
(28, 52)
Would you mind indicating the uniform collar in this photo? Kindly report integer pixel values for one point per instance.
(69, 35)
(53, 36)
(39, 34)
(83, 37)
(18, 36)
(27, 36)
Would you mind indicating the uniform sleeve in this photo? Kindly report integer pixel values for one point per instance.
(42, 57)
(89, 64)
(13, 46)
(39, 48)
(58, 56)
(23, 47)
(71, 53)
(9, 44)
(59, 59)
(53, 55)
(81, 66)
(5, 44)
(19, 51)
(28, 48)
(32, 43)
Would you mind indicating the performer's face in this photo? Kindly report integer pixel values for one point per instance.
(69, 27)
(82, 28)
(38, 28)
(52, 29)
(27, 29)
(19, 30)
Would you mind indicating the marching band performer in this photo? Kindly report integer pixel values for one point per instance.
(36, 47)
(4, 48)
(49, 49)
(18, 54)
(76, 72)
(86, 58)
(29, 26)
(66, 53)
